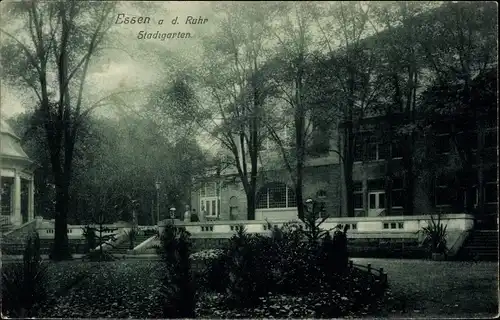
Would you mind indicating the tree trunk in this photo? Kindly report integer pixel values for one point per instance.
(299, 193)
(61, 251)
(348, 168)
(251, 205)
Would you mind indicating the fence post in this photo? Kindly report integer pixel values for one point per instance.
(350, 264)
(369, 267)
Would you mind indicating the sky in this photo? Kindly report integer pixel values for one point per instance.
(135, 62)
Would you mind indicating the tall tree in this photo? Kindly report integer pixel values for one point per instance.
(355, 85)
(53, 61)
(225, 96)
(294, 38)
(457, 47)
(401, 67)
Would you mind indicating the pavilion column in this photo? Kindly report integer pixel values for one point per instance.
(16, 218)
(31, 200)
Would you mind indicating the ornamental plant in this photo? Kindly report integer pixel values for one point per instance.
(177, 292)
(24, 285)
(435, 235)
(89, 233)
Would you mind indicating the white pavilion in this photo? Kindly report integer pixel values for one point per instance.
(16, 179)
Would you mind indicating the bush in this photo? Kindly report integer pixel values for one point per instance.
(24, 285)
(241, 264)
(213, 274)
(256, 276)
(90, 238)
(178, 296)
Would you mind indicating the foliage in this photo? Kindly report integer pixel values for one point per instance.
(119, 289)
(435, 235)
(286, 275)
(212, 271)
(24, 285)
(89, 233)
(247, 269)
(177, 293)
(313, 222)
(287, 262)
(56, 69)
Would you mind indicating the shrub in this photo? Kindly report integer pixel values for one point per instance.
(24, 285)
(246, 280)
(177, 290)
(214, 273)
(90, 238)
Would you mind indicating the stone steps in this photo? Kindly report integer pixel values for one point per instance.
(124, 246)
(481, 245)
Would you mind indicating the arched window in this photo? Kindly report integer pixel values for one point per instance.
(276, 195)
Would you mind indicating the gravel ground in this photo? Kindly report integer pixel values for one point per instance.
(420, 288)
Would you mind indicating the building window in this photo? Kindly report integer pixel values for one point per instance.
(276, 195)
(397, 150)
(358, 195)
(383, 151)
(442, 192)
(376, 200)
(443, 143)
(397, 193)
(358, 151)
(491, 192)
(371, 149)
(210, 199)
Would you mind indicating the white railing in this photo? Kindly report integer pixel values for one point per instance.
(386, 225)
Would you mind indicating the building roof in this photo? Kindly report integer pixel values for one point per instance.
(10, 143)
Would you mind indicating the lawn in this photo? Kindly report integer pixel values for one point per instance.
(121, 289)
(128, 289)
(422, 288)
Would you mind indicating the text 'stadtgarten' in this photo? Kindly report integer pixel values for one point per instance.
(158, 35)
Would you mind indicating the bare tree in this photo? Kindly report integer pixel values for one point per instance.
(225, 97)
(52, 59)
(355, 84)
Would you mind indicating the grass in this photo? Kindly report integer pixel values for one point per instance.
(422, 288)
(128, 288)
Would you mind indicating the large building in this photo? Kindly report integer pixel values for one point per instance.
(450, 172)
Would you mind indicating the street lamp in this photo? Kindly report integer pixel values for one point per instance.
(157, 185)
(172, 213)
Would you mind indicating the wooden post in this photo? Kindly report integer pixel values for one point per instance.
(350, 264)
(369, 267)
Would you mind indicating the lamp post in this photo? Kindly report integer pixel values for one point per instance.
(172, 213)
(157, 185)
